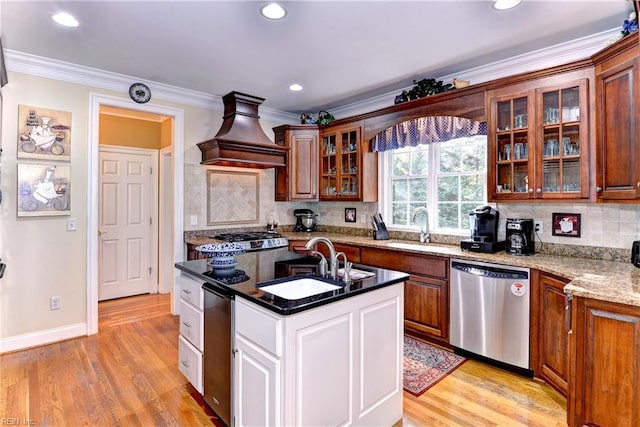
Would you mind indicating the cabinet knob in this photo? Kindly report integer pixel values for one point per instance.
(598, 189)
(638, 184)
(531, 190)
(570, 332)
(538, 190)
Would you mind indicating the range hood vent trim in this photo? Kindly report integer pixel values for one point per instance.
(241, 141)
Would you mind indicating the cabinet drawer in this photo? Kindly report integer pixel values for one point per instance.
(259, 326)
(192, 324)
(190, 363)
(424, 265)
(191, 290)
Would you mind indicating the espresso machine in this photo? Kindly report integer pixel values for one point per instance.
(484, 231)
(305, 220)
(520, 236)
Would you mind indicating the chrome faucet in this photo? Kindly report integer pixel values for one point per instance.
(322, 266)
(333, 259)
(424, 231)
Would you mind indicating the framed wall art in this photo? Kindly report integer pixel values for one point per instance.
(44, 190)
(565, 224)
(43, 134)
(349, 214)
(232, 197)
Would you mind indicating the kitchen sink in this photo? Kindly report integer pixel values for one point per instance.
(299, 287)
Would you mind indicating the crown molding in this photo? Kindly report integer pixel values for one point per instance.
(539, 59)
(39, 66)
(536, 60)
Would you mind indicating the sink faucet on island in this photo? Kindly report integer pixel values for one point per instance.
(333, 255)
(424, 231)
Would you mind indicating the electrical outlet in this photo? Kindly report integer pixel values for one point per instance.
(194, 219)
(537, 225)
(54, 303)
(71, 224)
(363, 218)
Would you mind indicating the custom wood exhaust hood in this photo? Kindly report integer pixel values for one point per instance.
(241, 142)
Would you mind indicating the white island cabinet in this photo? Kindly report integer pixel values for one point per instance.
(337, 364)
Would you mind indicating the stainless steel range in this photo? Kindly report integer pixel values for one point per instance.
(255, 240)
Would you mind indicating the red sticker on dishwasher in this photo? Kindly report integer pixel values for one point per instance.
(518, 289)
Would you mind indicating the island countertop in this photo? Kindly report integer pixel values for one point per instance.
(256, 268)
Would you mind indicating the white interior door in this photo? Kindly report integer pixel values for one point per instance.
(125, 223)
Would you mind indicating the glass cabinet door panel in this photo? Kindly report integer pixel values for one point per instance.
(570, 105)
(504, 147)
(571, 175)
(504, 178)
(521, 178)
(551, 107)
(520, 146)
(504, 116)
(551, 176)
(551, 144)
(570, 142)
(520, 116)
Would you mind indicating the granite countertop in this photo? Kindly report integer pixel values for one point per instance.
(604, 280)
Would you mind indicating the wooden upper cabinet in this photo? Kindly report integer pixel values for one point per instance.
(539, 139)
(298, 180)
(618, 121)
(348, 167)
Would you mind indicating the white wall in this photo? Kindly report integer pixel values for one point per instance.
(43, 258)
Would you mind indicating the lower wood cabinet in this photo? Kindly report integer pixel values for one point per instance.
(552, 335)
(338, 364)
(605, 367)
(426, 300)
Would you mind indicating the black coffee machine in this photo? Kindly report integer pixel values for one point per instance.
(484, 231)
(305, 220)
(520, 236)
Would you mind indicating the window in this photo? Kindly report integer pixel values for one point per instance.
(449, 178)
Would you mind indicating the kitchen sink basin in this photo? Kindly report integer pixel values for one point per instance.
(299, 288)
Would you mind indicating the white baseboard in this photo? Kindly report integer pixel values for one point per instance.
(35, 339)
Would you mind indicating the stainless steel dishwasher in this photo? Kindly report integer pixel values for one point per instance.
(489, 311)
(217, 365)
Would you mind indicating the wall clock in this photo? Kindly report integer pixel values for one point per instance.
(140, 93)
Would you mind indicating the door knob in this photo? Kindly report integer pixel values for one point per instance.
(100, 233)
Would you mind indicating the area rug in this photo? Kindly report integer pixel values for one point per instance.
(425, 365)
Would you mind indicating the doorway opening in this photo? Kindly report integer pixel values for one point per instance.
(170, 245)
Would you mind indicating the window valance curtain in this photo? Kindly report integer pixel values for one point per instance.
(426, 130)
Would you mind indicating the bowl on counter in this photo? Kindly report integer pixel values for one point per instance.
(221, 255)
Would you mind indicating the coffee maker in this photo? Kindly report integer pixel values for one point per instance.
(484, 231)
(520, 236)
(305, 220)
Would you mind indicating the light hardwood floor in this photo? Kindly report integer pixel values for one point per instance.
(127, 375)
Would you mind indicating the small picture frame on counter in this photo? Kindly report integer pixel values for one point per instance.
(565, 224)
(349, 214)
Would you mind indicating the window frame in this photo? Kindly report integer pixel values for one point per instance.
(385, 190)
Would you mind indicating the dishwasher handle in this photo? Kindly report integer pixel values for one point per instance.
(493, 271)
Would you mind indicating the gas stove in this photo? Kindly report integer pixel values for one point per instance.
(255, 240)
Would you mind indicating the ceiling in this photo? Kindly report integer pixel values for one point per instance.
(340, 51)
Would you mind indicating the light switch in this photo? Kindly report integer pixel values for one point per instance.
(194, 219)
(71, 224)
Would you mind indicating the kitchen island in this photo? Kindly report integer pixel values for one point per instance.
(328, 359)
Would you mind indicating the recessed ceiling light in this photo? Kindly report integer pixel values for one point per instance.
(295, 87)
(273, 11)
(505, 4)
(65, 19)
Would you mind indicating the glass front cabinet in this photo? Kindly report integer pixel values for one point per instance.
(346, 162)
(540, 144)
